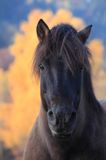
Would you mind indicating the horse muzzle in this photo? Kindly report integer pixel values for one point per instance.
(61, 122)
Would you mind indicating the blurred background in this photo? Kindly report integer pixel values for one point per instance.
(19, 90)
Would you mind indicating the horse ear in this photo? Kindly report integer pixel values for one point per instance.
(84, 34)
(42, 30)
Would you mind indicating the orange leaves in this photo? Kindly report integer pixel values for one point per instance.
(97, 50)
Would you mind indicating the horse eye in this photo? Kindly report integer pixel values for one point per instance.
(41, 66)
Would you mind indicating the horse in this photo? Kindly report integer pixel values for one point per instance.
(71, 124)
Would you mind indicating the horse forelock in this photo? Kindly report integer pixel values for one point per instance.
(62, 41)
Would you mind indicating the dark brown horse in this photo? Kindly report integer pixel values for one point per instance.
(71, 124)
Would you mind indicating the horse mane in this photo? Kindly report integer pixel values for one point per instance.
(63, 42)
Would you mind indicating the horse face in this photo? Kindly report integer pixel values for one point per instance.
(60, 93)
(60, 89)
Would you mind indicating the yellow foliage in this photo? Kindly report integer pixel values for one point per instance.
(97, 49)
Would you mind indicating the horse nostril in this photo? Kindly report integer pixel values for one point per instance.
(70, 118)
(50, 114)
(51, 117)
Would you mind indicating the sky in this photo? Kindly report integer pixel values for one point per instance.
(13, 12)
